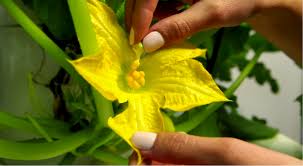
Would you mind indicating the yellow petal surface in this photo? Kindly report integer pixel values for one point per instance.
(168, 78)
(143, 114)
(110, 35)
(182, 81)
(107, 70)
(104, 75)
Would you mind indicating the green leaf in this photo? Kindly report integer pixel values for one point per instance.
(243, 128)
(55, 15)
(118, 8)
(209, 127)
(114, 4)
(201, 37)
(39, 151)
(168, 123)
(68, 159)
(232, 51)
(55, 129)
(110, 158)
(262, 75)
(40, 129)
(259, 43)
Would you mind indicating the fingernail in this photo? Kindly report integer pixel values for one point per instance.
(131, 36)
(144, 140)
(153, 41)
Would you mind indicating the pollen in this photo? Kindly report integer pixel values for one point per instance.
(135, 79)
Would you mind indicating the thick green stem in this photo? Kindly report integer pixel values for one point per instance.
(199, 117)
(40, 129)
(109, 157)
(41, 38)
(88, 42)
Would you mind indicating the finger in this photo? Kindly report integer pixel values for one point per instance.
(141, 19)
(177, 27)
(129, 7)
(179, 148)
(202, 15)
(175, 148)
(133, 159)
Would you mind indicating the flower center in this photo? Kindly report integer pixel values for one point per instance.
(135, 79)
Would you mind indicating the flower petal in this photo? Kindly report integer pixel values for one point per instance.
(104, 75)
(110, 34)
(183, 82)
(107, 70)
(143, 114)
(169, 56)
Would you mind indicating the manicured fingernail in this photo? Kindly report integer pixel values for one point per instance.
(131, 36)
(153, 41)
(144, 140)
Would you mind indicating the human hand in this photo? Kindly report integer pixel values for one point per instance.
(178, 148)
(204, 14)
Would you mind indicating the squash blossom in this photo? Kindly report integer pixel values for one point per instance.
(169, 78)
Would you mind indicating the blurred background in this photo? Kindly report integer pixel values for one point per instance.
(19, 56)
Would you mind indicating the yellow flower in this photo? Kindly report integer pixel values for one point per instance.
(169, 78)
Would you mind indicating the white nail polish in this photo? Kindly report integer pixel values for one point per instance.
(144, 140)
(153, 41)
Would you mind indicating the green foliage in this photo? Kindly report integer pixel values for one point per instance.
(238, 126)
(262, 75)
(38, 151)
(78, 134)
(259, 43)
(232, 52)
(119, 8)
(209, 127)
(55, 15)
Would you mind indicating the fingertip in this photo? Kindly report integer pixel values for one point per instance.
(144, 140)
(153, 41)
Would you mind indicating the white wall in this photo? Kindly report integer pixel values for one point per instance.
(280, 110)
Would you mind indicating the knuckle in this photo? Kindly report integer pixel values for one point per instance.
(177, 142)
(227, 147)
(217, 11)
(178, 29)
(147, 11)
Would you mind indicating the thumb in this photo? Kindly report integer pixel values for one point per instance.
(176, 148)
(179, 26)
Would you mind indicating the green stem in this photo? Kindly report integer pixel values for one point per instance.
(88, 42)
(40, 129)
(199, 117)
(101, 142)
(54, 130)
(68, 159)
(109, 157)
(283, 144)
(40, 151)
(41, 38)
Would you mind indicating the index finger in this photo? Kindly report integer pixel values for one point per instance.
(141, 19)
(129, 7)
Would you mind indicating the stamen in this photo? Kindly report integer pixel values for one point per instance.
(135, 79)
